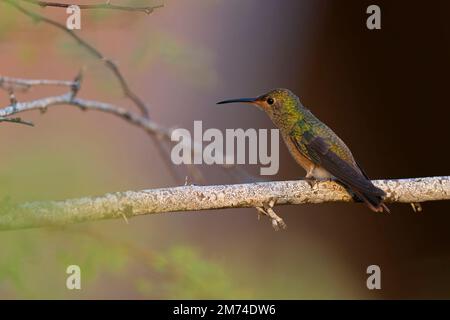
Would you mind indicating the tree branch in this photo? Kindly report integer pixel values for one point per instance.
(84, 104)
(107, 5)
(25, 84)
(194, 198)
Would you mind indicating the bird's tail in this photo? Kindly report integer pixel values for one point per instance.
(374, 200)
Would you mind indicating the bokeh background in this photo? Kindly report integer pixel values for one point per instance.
(384, 92)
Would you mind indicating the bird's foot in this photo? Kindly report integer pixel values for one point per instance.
(313, 182)
(267, 210)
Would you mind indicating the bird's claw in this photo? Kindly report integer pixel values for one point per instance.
(416, 206)
(267, 210)
(313, 182)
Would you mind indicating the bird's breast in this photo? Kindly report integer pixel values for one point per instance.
(304, 162)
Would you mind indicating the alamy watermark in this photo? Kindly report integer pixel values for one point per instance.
(374, 278)
(227, 149)
(73, 281)
(373, 22)
(73, 21)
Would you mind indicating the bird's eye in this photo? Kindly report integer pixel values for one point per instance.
(270, 101)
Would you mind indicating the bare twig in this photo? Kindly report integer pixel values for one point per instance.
(16, 120)
(93, 51)
(108, 5)
(25, 84)
(267, 210)
(12, 96)
(69, 99)
(194, 198)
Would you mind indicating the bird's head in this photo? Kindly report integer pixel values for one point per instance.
(282, 106)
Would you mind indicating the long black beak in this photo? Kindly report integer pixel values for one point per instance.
(242, 100)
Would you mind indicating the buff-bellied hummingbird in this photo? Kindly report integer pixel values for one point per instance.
(315, 146)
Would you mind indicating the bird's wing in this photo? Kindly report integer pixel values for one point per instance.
(319, 151)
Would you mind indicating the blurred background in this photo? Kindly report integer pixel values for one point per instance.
(384, 92)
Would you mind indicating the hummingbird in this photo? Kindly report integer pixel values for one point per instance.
(315, 147)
